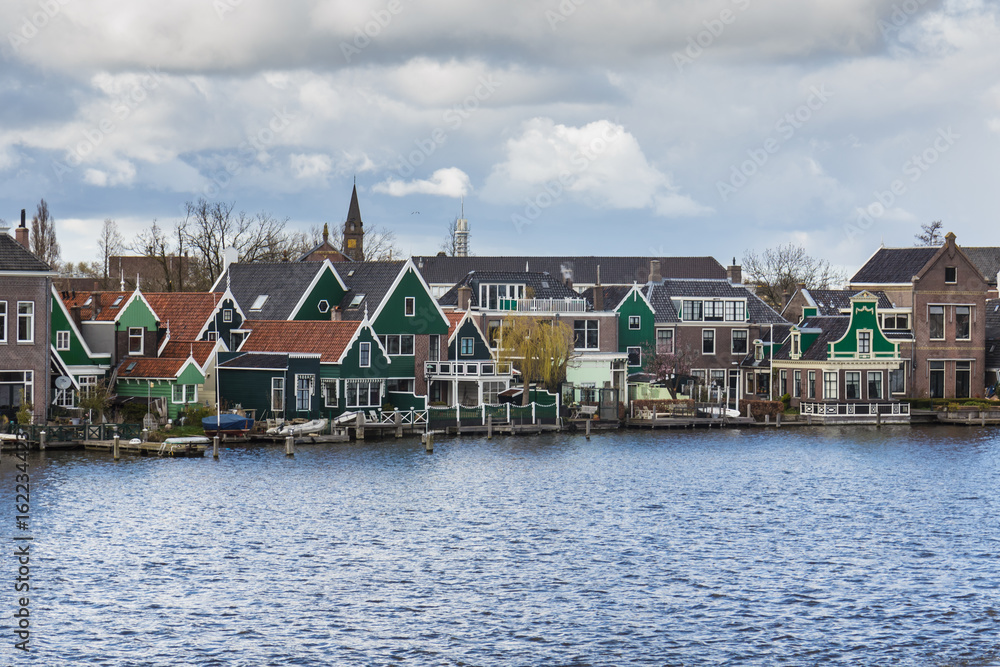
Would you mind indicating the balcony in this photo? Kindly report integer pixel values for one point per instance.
(466, 369)
(565, 305)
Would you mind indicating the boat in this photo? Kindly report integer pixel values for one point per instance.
(346, 418)
(188, 440)
(227, 424)
(308, 428)
(715, 412)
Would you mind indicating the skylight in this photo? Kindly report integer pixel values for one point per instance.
(350, 273)
(130, 367)
(259, 303)
(356, 301)
(117, 302)
(89, 301)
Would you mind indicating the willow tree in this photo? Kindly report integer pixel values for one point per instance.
(539, 349)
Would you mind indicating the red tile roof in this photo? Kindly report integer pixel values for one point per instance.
(323, 337)
(453, 319)
(86, 301)
(184, 312)
(148, 367)
(178, 349)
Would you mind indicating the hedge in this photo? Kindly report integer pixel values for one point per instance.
(760, 409)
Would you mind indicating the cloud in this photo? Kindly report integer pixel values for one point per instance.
(450, 182)
(599, 164)
(310, 166)
(121, 173)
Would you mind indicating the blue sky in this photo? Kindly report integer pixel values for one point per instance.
(569, 126)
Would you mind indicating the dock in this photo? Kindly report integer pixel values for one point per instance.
(186, 450)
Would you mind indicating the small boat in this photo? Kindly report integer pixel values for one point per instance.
(227, 424)
(308, 428)
(714, 412)
(188, 440)
(346, 418)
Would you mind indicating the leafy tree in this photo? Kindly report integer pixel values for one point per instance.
(777, 271)
(43, 243)
(930, 234)
(539, 349)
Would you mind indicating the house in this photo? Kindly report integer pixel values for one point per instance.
(843, 360)
(466, 371)
(83, 366)
(325, 250)
(829, 303)
(26, 351)
(940, 294)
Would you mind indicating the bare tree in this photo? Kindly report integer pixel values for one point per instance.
(380, 245)
(670, 367)
(209, 228)
(931, 234)
(450, 244)
(111, 244)
(43, 243)
(154, 243)
(777, 271)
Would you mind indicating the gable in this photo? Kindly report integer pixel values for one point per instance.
(427, 316)
(79, 353)
(480, 351)
(379, 363)
(864, 317)
(323, 295)
(137, 313)
(635, 305)
(190, 374)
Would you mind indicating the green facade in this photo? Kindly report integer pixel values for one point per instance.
(634, 305)
(328, 289)
(136, 314)
(427, 318)
(481, 351)
(218, 324)
(863, 317)
(76, 355)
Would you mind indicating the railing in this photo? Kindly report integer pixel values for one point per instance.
(564, 305)
(406, 417)
(75, 433)
(872, 409)
(438, 369)
(533, 413)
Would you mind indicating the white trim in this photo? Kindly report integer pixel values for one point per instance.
(363, 324)
(635, 289)
(79, 335)
(395, 283)
(124, 307)
(327, 264)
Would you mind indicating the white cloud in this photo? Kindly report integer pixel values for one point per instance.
(120, 173)
(450, 182)
(599, 163)
(310, 166)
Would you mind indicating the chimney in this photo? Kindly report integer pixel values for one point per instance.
(464, 297)
(735, 273)
(336, 314)
(654, 271)
(21, 233)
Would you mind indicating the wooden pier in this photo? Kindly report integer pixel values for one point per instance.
(186, 450)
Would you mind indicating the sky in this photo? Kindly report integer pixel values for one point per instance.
(576, 127)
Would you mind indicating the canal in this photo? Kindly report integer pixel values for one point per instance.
(833, 546)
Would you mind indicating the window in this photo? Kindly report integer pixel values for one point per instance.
(88, 384)
(708, 341)
(829, 385)
(329, 389)
(782, 382)
(364, 355)
(468, 346)
(811, 385)
(491, 392)
(259, 302)
(634, 322)
(3, 321)
(227, 315)
(796, 345)
(664, 341)
(897, 381)
(65, 398)
(410, 306)
(25, 321)
(864, 342)
(936, 377)
(758, 351)
(323, 306)
(962, 317)
(363, 393)
(398, 385)
(797, 385)
(397, 344)
(213, 335)
(740, 341)
(718, 377)
(356, 301)
(588, 392)
(691, 311)
(852, 385)
(950, 274)
(135, 340)
(184, 393)
(62, 340)
(304, 392)
(634, 356)
(277, 394)
(585, 334)
(895, 322)
(874, 385)
(735, 311)
(935, 322)
(963, 375)
(434, 347)
(490, 295)
(713, 311)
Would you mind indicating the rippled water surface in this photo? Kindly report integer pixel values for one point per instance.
(798, 546)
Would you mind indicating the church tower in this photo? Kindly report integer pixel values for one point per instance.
(354, 232)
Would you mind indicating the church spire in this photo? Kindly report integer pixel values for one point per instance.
(354, 233)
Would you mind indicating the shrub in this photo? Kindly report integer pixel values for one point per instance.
(760, 409)
(786, 401)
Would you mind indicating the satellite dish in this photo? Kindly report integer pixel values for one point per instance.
(63, 382)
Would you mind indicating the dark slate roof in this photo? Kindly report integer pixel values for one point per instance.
(14, 257)
(760, 312)
(833, 328)
(613, 295)
(372, 279)
(894, 265)
(781, 332)
(993, 319)
(614, 270)
(544, 285)
(986, 259)
(663, 307)
(830, 302)
(256, 360)
(283, 282)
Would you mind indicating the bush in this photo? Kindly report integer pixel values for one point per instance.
(786, 401)
(760, 409)
(194, 414)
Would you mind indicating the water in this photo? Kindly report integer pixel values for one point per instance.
(798, 546)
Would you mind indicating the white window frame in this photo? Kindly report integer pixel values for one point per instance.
(227, 315)
(944, 332)
(950, 282)
(188, 393)
(326, 384)
(968, 337)
(88, 384)
(638, 351)
(811, 385)
(278, 389)
(634, 322)
(859, 395)
(670, 337)
(410, 306)
(142, 340)
(862, 333)
(703, 332)
(62, 341)
(797, 384)
(746, 340)
(65, 398)
(357, 384)
(309, 389)
(868, 386)
(827, 393)
(472, 346)
(364, 355)
(586, 335)
(29, 317)
(902, 371)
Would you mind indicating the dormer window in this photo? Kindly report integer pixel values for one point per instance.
(758, 351)
(796, 345)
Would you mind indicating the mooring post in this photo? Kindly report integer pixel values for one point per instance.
(429, 442)
(215, 447)
(290, 445)
(778, 425)
(878, 418)
(809, 419)
(359, 426)
(767, 420)
(588, 420)
(489, 427)
(41, 440)
(397, 419)
(114, 447)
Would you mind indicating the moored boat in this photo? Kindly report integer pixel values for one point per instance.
(308, 428)
(227, 424)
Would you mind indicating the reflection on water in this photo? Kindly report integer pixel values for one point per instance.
(792, 546)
